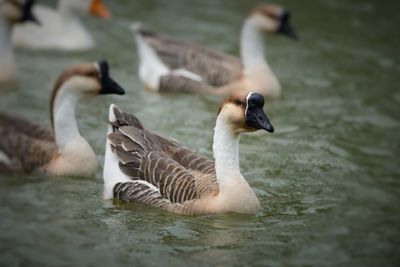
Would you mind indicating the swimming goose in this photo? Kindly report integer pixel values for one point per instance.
(11, 12)
(60, 29)
(144, 167)
(168, 64)
(27, 146)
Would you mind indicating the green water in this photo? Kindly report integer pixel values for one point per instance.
(328, 178)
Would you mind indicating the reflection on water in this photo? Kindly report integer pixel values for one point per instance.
(328, 178)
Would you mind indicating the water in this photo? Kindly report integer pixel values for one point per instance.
(328, 178)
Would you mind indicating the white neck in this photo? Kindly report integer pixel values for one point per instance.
(7, 63)
(76, 157)
(226, 154)
(65, 126)
(251, 44)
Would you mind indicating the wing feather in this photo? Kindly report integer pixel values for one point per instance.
(175, 83)
(27, 146)
(21, 125)
(144, 193)
(216, 68)
(150, 158)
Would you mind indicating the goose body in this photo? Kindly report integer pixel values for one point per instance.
(144, 167)
(59, 29)
(11, 13)
(169, 64)
(26, 146)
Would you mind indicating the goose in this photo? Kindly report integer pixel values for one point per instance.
(168, 64)
(144, 167)
(11, 12)
(61, 151)
(60, 29)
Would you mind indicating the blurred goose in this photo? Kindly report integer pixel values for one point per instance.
(144, 167)
(167, 64)
(60, 29)
(11, 12)
(27, 146)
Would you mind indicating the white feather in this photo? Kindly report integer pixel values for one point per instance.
(4, 158)
(151, 68)
(247, 103)
(187, 74)
(111, 172)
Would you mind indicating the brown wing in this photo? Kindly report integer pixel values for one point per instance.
(192, 160)
(26, 127)
(216, 68)
(27, 146)
(176, 83)
(184, 156)
(153, 141)
(136, 191)
(154, 159)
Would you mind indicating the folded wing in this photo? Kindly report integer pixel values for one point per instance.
(169, 170)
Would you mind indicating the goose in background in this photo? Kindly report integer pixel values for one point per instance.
(11, 13)
(27, 146)
(168, 64)
(144, 167)
(60, 29)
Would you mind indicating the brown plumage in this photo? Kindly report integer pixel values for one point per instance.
(179, 174)
(26, 145)
(215, 67)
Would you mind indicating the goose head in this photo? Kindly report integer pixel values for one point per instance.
(273, 18)
(17, 11)
(81, 7)
(89, 79)
(244, 112)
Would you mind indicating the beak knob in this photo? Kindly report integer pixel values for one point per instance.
(255, 116)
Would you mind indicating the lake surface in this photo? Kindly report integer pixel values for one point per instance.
(327, 179)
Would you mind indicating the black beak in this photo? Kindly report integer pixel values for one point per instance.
(286, 28)
(27, 14)
(258, 119)
(255, 116)
(108, 85)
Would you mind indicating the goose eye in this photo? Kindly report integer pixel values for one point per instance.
(92, 74)
(238, 102)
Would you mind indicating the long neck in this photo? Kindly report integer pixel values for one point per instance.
(6, 49)
(226, 153)
(63, 116)
(252, 45)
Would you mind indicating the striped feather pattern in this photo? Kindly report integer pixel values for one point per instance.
(27, 145)
(177, 173)
(192, 160)
(139, 192)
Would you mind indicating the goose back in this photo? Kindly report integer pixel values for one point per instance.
(216, 68)
(25, 146)
(163, 172)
